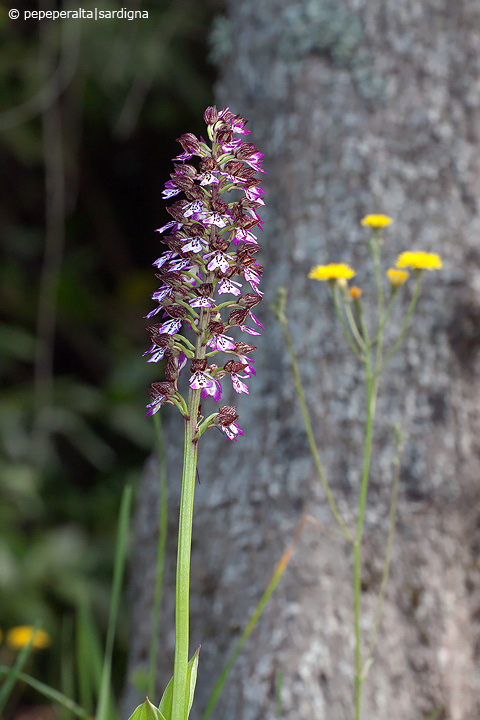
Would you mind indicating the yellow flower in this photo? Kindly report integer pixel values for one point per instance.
(18, 637)
(419, 261)
(377, 222)
(355, 293)
(334, 271)
(397, 277)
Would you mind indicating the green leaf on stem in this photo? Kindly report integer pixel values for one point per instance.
(192, 679)
(147, 711)
(166, 702)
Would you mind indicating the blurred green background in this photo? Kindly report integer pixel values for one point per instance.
(89, 113)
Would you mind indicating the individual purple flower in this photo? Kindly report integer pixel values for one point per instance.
(232, 431)
(156, 354)
(193, 208)
(171, 224)
(201, 380)
(170, 190)
(226, 420)
(218, 340)
(253, 194)
(207, 178)
(217, 260)
(160, 393)
(234, 368)
(214, 218)
(171, 327)
(229, 286)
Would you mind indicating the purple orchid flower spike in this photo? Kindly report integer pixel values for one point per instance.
(208, 260)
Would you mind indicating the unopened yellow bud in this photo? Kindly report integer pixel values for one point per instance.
(397, 277)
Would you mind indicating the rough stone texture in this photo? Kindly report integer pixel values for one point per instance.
(360, 106)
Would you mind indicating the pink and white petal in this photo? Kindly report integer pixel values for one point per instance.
(169, 225)
(229, 286)
(202, 302)
(170, 192)
(155, 405)
(238, 385)
(195, 245)
(156, 357)
(249, 330)
(153, 312)
(225, 343)
(170, 327)
(207, 178)
(194, 207)
(162, 293)
(232, 431)
(256, 320)
(167, 255)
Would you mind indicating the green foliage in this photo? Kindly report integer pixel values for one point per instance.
(147, 711)
(167, 698)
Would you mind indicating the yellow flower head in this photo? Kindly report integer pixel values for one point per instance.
(376, 222)
(18, 637)
(355, 293)
(397, 277)
(334, 271)
(419, 261)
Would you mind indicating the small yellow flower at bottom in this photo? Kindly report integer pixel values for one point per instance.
(397, 277)
(419, 261)
(334, 271)
(376, 222)
(18, 637)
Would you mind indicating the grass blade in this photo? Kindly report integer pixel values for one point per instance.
(13, 672)
(120, 561)
(162, 540)
(46, 691)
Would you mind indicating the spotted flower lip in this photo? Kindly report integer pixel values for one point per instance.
(208, 268)
(419, 261)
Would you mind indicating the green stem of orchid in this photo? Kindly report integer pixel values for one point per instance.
(182, 596)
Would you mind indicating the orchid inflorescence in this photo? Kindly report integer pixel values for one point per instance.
(200, 264)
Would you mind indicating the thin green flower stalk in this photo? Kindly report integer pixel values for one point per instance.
(278, 308)
(370, 351)
(388, 551)
(198, 267)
